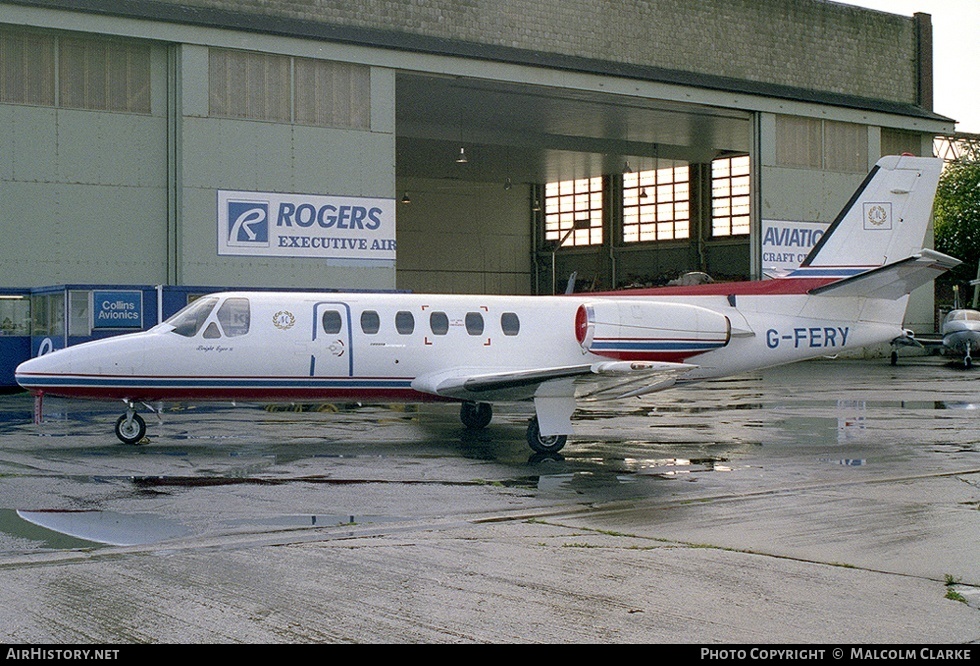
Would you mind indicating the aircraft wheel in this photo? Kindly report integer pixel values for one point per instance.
(968, 362)
(475, 415)
(540, 444)
(130, 430)
(894, 358)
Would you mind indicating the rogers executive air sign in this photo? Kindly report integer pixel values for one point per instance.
(305, 225)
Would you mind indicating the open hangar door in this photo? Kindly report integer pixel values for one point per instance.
(492, 176)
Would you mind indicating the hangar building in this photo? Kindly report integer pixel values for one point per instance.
(484, 146)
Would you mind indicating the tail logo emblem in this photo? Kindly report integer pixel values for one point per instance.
(877, 216)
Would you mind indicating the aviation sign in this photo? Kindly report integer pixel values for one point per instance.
(786, 243)
(305, 225)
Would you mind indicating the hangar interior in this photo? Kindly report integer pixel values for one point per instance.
(632, 160)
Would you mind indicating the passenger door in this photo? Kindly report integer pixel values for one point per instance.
(332, 354)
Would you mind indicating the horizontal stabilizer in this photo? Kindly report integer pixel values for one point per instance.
(893, 280)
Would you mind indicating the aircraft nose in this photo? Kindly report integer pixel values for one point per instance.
(33, 373)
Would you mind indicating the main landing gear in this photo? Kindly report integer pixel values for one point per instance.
(477, 415)
(130, 428)
(541, 444)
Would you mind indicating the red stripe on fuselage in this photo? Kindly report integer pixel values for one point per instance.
(237, 394)
(752, 288)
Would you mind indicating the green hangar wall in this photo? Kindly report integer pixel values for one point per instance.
(131, 130)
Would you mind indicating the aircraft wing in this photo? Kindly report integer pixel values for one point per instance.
(605, 380)
(894, 280)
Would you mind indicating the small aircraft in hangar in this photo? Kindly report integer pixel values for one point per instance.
(959, 331)
(851, 291)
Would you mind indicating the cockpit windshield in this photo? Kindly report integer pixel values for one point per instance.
(188, 322)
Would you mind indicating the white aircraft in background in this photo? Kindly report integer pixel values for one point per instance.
(961, 331)
(851, 291)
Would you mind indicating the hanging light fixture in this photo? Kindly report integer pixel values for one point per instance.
(508, 184)
(627, 168)
(461, 158)
(406, 199)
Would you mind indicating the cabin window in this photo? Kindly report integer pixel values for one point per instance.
(510, 323)
(332, 322)
(370, 322)
(188, 321)
(474, 323)
(234, 316)
(405, 322)
(439, 323)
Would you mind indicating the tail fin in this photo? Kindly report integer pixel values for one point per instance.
(885, 221)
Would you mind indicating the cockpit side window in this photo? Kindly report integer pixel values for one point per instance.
(234, 317)
(188, 321)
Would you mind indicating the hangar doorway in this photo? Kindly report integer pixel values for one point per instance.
(512, 188)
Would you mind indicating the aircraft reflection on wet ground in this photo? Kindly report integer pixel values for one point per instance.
(693, 434)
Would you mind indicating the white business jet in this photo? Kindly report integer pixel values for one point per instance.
(851, 291)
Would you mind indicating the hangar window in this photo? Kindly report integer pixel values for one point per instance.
(439, 323)
(845, 147)
(656, 205)
(332, 94)
(813, 143)
(404, 322)
(104, 75)
(284, 89)
(332, 322)
(27, 73)
(730, 196)
(573, 212)
(88, 73)
(246, 84)
(510, 324)
(896, 142)
(370, 322)
(798, 142)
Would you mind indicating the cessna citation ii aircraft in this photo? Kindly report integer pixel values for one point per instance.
(851, 291)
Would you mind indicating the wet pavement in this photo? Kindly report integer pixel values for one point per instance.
(826, 502)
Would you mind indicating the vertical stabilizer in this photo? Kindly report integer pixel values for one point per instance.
(887, 218)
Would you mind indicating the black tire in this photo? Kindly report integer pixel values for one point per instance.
(894, 358)
(539, 444)
(130, 431)
(475, 415)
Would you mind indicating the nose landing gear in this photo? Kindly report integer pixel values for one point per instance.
(130, 428)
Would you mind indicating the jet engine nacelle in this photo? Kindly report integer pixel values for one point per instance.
(641, 330)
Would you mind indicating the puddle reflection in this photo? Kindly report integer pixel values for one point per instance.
(108, 527)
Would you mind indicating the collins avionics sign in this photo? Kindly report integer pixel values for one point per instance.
(303, 225)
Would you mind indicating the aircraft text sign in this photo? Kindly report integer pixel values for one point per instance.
(305, 225)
